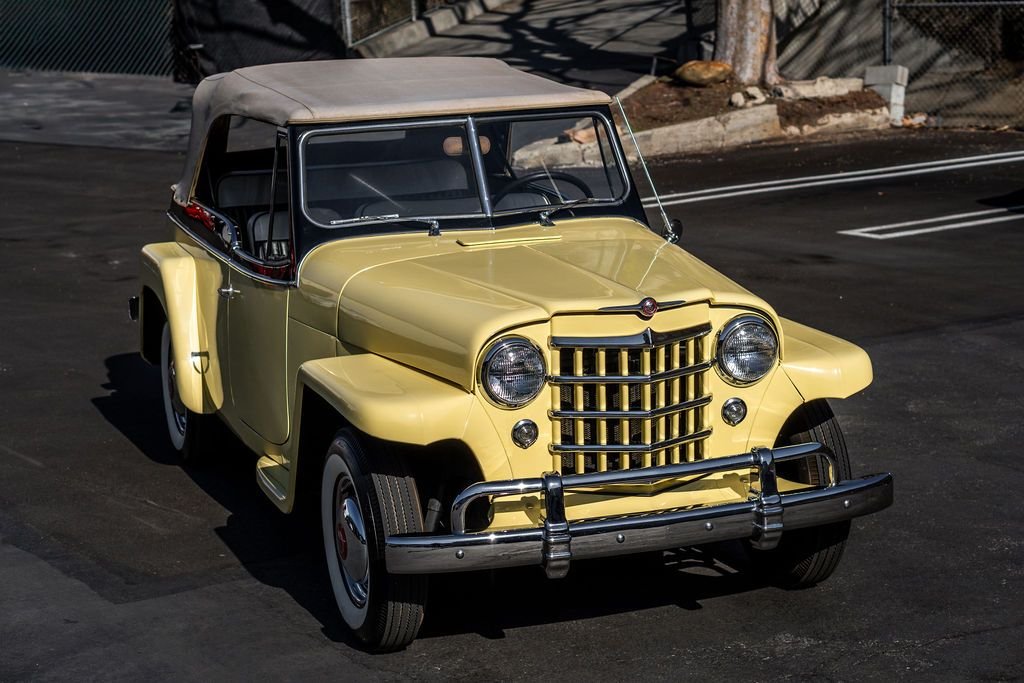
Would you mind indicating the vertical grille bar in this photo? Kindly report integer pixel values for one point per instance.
(699, 418)
(624, 402)
(676, 400)
(602, 405)
(578, 404)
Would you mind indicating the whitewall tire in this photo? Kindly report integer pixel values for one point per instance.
(363, 498)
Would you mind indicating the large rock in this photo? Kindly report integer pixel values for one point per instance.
(703, 73)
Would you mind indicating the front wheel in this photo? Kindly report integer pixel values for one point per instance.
(362, 500)
(805, 557)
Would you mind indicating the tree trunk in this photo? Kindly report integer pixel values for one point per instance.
(745, 38)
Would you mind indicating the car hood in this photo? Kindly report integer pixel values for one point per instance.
(434, 303)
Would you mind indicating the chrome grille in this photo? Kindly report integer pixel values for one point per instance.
(629, 402)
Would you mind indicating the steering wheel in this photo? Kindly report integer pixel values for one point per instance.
(543, 175)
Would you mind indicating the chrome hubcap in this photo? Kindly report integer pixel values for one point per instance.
(350, 542)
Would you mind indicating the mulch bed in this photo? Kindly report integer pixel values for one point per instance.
(666, 102)
(663, 103)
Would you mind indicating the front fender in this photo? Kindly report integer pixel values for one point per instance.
(173, 274)
(823, 366)
(384, 399)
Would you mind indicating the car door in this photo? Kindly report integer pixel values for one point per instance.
(257, 309)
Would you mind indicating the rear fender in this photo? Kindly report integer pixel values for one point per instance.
(185, 285)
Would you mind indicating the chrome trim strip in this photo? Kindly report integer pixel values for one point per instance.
(632, 414)
(648, 339)
(227, 261)
(630, 448)
(648, 475)
(633, 379)
(559, 541)
(635, 308)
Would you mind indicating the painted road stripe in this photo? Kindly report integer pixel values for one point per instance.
(892, 231)
(838, 178)
(867, 171)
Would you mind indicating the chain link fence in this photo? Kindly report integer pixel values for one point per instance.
(112, 36)
(966, 59)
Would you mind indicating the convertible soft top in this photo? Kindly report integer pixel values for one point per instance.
(367, 89)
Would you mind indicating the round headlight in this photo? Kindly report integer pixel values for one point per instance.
(513, 372)
(747, 349)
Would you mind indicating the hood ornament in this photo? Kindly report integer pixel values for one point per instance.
(646, 309)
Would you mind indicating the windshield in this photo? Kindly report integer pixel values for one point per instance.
(407, 173)
(353, 177)
(541, 163)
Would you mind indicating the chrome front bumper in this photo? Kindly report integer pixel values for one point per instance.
(762, 519)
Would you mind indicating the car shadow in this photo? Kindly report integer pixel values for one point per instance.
(489, 603)
(285, 551)
(1012, 202)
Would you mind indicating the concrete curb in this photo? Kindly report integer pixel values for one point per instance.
(404, 35)
(732, 129)
(872, 119)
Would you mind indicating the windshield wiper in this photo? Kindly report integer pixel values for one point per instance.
(432, 223)
(360, 219)
(545, 216)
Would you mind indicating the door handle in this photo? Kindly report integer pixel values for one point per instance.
(228, 292)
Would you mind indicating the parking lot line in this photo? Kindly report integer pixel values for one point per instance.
(891, 230)
(864, 175)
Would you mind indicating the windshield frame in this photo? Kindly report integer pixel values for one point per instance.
(486, 215)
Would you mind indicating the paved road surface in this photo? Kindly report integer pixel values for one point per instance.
(117, 563)
(602, 44)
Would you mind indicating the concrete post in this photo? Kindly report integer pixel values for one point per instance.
(890, 82)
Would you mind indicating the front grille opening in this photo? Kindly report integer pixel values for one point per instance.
(649, 423)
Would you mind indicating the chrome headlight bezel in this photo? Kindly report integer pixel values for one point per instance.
(731, 328)
(500, 346)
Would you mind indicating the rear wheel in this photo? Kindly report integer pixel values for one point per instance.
(190, 433)
(362, 500)
(805, 557)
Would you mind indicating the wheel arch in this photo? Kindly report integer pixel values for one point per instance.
(152, 317)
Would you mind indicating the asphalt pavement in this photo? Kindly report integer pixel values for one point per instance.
(117, 563)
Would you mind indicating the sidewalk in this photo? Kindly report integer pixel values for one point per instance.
(601, 44)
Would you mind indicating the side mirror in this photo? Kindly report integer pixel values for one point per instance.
(675, 231)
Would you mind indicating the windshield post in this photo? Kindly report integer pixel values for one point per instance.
(669, 230)
(478, 166)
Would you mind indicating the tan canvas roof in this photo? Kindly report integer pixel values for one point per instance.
(363, 89)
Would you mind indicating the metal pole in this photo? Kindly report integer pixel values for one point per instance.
(346, 13)
(412, 8)
(887, 32)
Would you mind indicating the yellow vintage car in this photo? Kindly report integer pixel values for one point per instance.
(458, 339)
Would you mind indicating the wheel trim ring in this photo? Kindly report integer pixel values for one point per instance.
(350, 542)
(177, 407)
